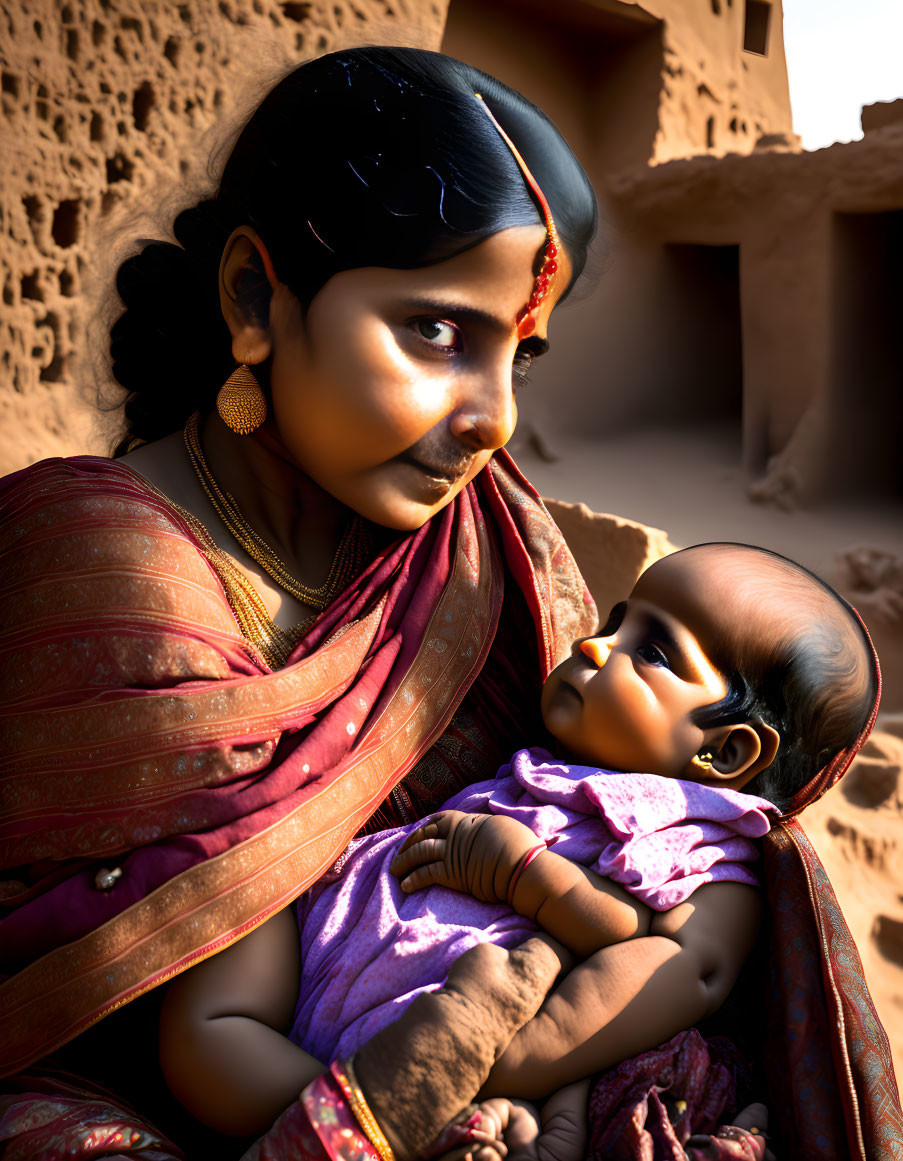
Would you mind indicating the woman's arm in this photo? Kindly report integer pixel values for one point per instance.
(483, 855)
(420, 1072)
(224, 1050)
(629, 997)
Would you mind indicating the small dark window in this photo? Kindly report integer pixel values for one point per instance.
(710, 133)
(755, 30)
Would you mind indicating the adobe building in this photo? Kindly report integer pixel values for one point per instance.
(746, 286)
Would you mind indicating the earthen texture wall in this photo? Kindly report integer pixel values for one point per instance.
(111, 108)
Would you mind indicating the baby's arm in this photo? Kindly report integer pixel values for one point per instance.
(223, 1047)
(629, 997)
(483, 855)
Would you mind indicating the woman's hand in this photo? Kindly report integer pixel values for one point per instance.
(473, 853)
(422, 1071)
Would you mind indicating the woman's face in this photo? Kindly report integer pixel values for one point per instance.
(399, 385)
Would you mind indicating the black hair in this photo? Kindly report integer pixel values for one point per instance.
(364, 157)
(816, 687)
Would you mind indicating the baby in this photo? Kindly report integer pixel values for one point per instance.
(729, 677)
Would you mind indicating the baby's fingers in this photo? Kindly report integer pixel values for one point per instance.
(436, 826)
(419, 854)
(428, 875)
(428, 829)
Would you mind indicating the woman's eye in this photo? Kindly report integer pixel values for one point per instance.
(440, 334)
(652, 655)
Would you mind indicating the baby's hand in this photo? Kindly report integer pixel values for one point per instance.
(473, 853)
(499, 1129)
(492, 1130)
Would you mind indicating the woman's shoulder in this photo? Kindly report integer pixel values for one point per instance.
(99, 522)
(87, 546)
(89, 488)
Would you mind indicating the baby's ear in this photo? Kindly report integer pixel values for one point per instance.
(744, 751)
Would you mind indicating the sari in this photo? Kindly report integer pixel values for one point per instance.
(168, 784)
(167, 787)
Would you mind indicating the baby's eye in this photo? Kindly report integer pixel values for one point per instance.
(652, 655)
(439, 333)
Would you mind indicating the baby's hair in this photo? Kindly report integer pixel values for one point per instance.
(815, 683)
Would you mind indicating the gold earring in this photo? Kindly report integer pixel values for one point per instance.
(241, 402)
(703, 761)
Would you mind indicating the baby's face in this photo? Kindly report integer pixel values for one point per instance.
(623, 700)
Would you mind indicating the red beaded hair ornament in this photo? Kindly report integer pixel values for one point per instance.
(526, 316)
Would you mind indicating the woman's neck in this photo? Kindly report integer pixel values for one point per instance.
(297, 519)
(301, 522)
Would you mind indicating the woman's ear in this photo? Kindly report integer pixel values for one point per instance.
(246, 284)
(743, 751)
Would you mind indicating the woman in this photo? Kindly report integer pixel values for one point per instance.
(198, 720)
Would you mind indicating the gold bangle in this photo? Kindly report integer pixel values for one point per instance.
(364, 1115)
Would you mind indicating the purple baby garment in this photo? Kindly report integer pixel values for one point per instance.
(367, 950)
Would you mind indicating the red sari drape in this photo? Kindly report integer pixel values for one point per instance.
(142, 733)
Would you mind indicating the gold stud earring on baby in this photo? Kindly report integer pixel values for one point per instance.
(703, 761)
(241, 402)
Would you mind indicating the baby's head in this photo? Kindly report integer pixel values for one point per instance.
(728, 665)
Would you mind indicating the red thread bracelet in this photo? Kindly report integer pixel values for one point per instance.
(522, 865)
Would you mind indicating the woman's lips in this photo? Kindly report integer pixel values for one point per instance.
(438, 472)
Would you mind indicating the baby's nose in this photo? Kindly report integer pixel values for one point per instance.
(597, 649)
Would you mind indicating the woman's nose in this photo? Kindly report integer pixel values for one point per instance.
(486, 418)
(597, 649)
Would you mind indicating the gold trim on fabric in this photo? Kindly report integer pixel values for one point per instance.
(211, 905)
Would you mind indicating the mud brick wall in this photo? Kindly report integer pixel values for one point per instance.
(109, 111)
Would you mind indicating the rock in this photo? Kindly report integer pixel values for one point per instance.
(610, 550)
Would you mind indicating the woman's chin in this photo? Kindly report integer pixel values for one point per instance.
(401, 511)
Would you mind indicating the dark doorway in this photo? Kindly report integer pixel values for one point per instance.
(866, 393)
(700, 322)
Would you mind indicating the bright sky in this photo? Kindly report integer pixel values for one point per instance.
(841, 54)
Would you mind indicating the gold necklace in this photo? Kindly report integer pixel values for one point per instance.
(348, 559)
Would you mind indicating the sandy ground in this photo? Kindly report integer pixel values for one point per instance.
(692, 487)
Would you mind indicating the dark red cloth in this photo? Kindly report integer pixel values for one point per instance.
(648, 1107)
